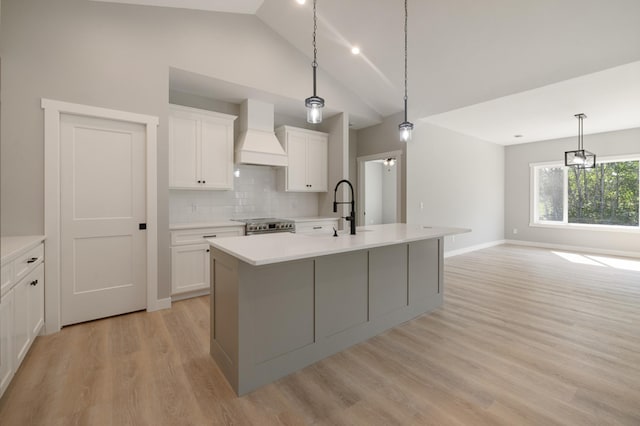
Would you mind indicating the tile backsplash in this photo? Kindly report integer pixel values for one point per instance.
(254, 195)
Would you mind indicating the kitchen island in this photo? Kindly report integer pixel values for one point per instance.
(280, 302)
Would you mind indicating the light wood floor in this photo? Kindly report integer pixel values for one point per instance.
(525, 337)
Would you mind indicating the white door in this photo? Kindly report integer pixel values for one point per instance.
(103, 196)
(297, 168)
(216, 155)
(189, 268)
(317, 163)
(184, 153)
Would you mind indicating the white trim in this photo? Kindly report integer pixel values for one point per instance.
(189, 295)
(587, 227)
(361, 182)
(469, 249)
(595, 250)
(162, 304)
(52, 111)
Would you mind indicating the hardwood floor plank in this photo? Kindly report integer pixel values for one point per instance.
(526, 336)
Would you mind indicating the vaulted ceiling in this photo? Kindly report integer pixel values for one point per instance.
(469, 52)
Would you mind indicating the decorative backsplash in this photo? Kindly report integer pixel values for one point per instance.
(254, 195)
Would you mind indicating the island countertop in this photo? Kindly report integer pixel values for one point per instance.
(283, 247)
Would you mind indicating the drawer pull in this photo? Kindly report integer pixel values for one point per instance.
(317, 227)
(32, 259)
(34, 282)
(209, 236)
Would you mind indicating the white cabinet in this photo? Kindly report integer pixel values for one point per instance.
(6, 341)
(200, 149)
(21, 302)
(307, 151)
(190, 257)
(316, 225)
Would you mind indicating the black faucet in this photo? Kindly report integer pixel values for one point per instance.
(352, 216)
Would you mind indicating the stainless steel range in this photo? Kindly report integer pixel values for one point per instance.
(267, 225)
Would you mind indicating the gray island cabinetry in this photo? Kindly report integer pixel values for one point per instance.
(283, 301)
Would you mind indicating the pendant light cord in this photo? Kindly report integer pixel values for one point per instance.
(580, 137)
(406, 15)
(314, 64)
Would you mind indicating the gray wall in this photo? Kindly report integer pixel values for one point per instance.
(383, 137)
(517, 190)
(460, 180)
(118, 56)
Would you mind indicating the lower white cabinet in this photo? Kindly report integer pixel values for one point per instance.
(189, 268)
(6, 341)
(22, 302)
(190, 257)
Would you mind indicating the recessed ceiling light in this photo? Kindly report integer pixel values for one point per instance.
(355, 50)
(301, 1)
(517, 136)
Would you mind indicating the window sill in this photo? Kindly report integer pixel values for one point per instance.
(585, 227)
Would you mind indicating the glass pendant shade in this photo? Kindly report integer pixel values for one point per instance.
(314, 106)
(405, 129)
(580, 158)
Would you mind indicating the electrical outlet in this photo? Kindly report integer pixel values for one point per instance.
(515, 231)
(421, 205)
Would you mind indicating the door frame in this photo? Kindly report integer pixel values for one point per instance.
(52, 205)
(362, 183)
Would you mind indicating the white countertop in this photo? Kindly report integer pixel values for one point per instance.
(217, 224)
(12, 246)
(282, 247)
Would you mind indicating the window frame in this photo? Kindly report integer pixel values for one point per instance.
(533, 198)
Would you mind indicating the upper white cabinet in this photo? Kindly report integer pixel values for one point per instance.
(308, 152)
(200, 149)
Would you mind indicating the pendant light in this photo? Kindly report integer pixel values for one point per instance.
(580, 158)
(406, 126)
(314, 103)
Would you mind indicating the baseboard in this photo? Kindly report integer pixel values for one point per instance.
(469, 249)
(593, 250)
(189, 295)
(160, 304)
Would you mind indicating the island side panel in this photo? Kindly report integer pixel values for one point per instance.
(388, 283)
(426, 274)
(342, 292)
(276, 322)
(224, 314)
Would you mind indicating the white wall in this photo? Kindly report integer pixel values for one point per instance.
(384, 138)
(517, 190)
(460, 180)
(373, 192)
(118, 56)
(389, 193)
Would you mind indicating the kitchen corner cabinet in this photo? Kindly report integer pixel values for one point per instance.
(190, 257)
(21, 301)
(307, 151)
(200, 149)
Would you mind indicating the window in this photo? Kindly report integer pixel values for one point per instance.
(606, 195)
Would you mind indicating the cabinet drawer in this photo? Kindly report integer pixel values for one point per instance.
(195, 236)
(27, 261)
(311, 227)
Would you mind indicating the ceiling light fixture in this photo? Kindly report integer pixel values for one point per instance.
(580, 158)
(406, 126)
(314, 103)
(301, 1)
(389, 162)
(355, 50)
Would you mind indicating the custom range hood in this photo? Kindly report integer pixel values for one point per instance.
(257, 142)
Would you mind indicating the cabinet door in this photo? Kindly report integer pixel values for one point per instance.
(21, 334)
(6, 341)
(217, 155)
(297, 168)
(183, 153)
(317, 163)
(189, 268)
(36, 301)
